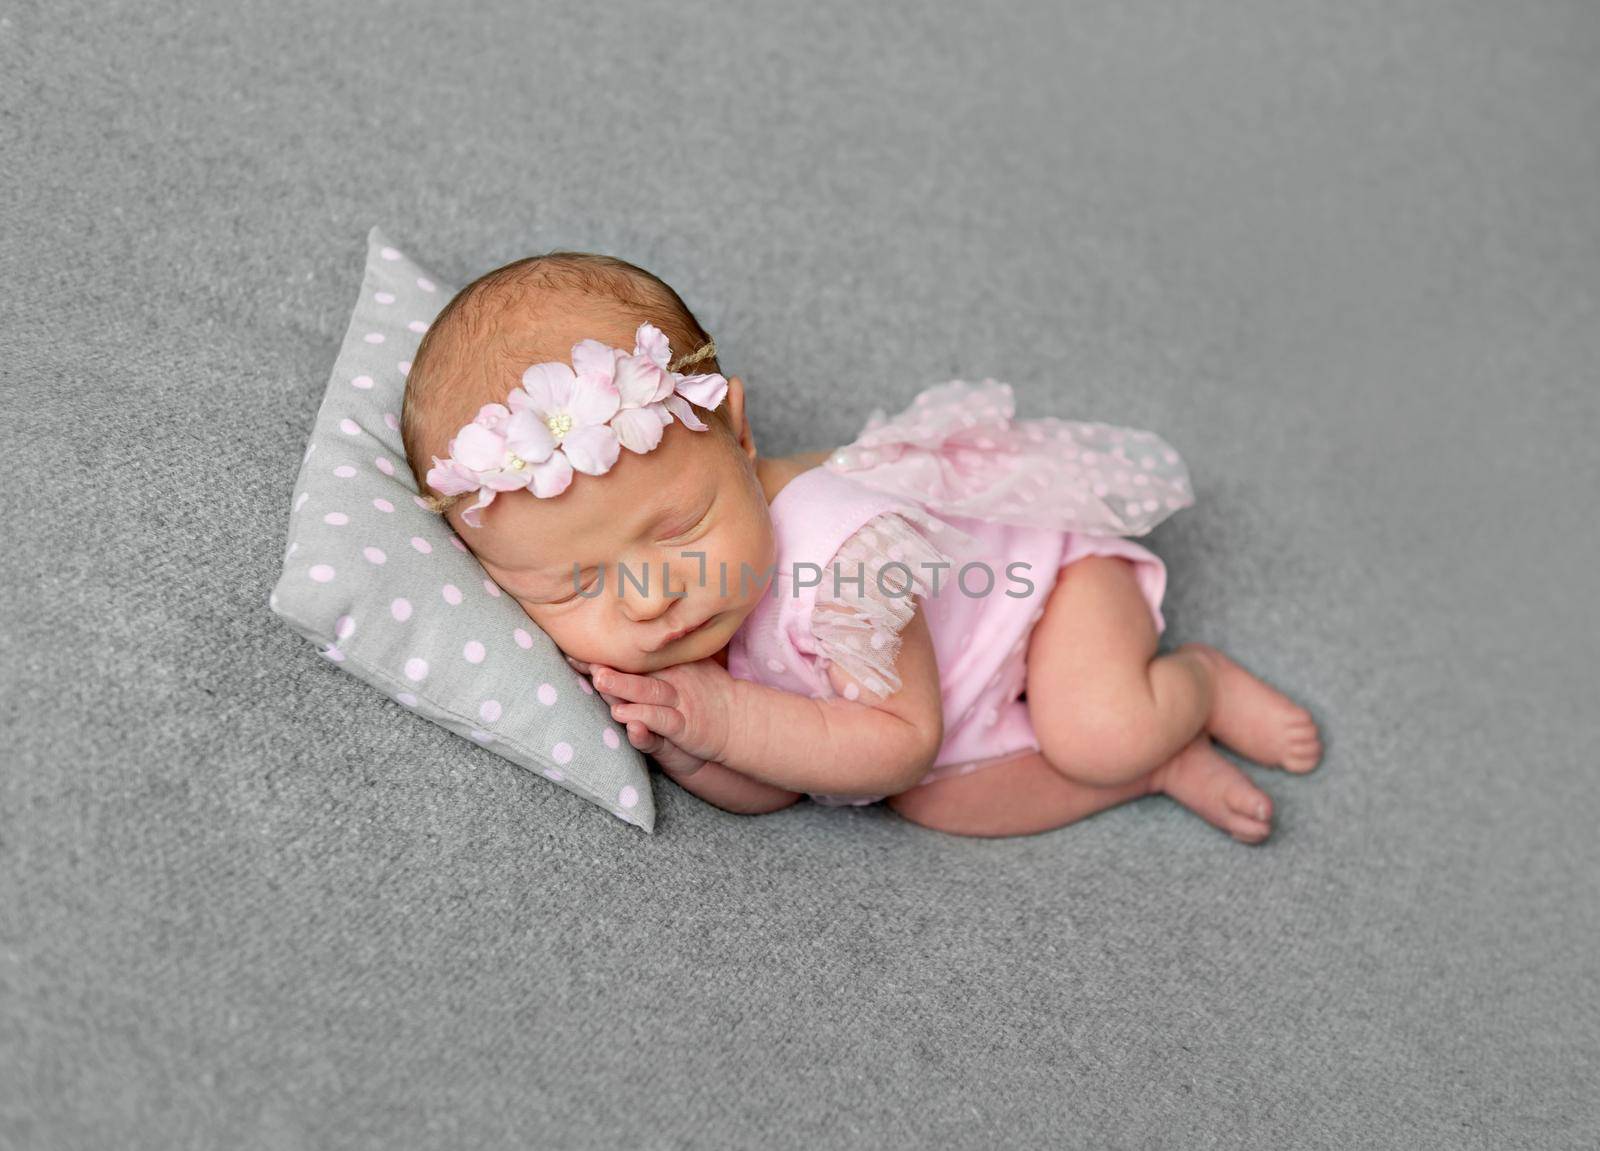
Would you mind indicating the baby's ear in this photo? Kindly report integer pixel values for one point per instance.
(738, 421)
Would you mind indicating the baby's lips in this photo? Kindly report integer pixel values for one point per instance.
(577, 665)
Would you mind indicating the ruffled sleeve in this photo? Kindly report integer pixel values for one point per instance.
(857, 624)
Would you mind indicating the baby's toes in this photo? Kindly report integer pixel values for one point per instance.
(1302, 745)
(1301, 758)
(1249, 812)
(1248, 802)
(1251, 831)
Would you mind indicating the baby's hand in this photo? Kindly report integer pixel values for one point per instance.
(687, 704)
(673, 759)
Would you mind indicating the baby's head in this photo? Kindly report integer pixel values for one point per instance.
(649, 513)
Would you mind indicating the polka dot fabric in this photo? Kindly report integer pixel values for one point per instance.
(389, 594)
(958, 449)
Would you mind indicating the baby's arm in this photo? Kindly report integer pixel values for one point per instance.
(718, 785)
(840, 746)
(834, 746)
(723, 787)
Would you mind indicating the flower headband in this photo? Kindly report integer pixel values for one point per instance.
(562, 418)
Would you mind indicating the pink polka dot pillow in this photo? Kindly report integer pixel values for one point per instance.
(391, 595)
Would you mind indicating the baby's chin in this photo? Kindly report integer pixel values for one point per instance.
(703, 643)
(710, 641)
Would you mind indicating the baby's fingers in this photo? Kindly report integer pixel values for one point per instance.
(638, 688)
(643, 739)
(661, 720)
(586, 670)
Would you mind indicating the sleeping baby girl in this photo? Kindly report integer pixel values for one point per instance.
(947, 614)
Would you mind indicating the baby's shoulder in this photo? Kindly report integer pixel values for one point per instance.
(783, 470)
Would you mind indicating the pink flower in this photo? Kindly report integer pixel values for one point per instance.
(561, 419)
(496, 452)
(575, 411)
(639, 383)
(651, 395)
(707, 390)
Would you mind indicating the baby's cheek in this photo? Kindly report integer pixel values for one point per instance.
(733, 572)
(582, 636)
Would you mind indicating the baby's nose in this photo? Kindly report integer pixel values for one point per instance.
(646, 595)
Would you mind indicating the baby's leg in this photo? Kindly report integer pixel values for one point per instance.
(1020, 796)
(1106, 709)
(1200, 779)
(1256, 719)
(1026, 795)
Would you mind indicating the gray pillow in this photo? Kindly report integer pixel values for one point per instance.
(389, 593)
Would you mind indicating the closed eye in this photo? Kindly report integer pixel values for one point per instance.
(588, 584)
(685, 534)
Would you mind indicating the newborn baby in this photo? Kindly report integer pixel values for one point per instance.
(945, 614)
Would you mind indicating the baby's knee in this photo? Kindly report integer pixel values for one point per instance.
(1102, 741)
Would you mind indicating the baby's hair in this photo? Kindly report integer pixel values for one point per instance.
(471, 354)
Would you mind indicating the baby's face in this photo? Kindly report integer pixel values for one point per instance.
(698, 492)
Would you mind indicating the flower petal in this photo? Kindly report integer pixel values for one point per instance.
(592, 358)
(552, 477)
(549, 387)
(592, 449)
(477, 447)
(638, 429)
(474, 515)
(594, 401)
(707, 390)
(679, 407)
(528, 437)
(638, 380)
(507, 480)
(651, 342)
(449, 478)
(491, 416)
(666, 387)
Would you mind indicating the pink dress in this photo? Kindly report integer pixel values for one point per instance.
(954, 505)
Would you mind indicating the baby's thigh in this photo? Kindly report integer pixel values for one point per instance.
(1095, 638)
(1096, 623)
(1016, 795)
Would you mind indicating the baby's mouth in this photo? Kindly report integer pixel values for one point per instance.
(677, 635)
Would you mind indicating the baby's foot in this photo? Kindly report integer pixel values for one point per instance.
(1215, 790)
(1257, 720)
